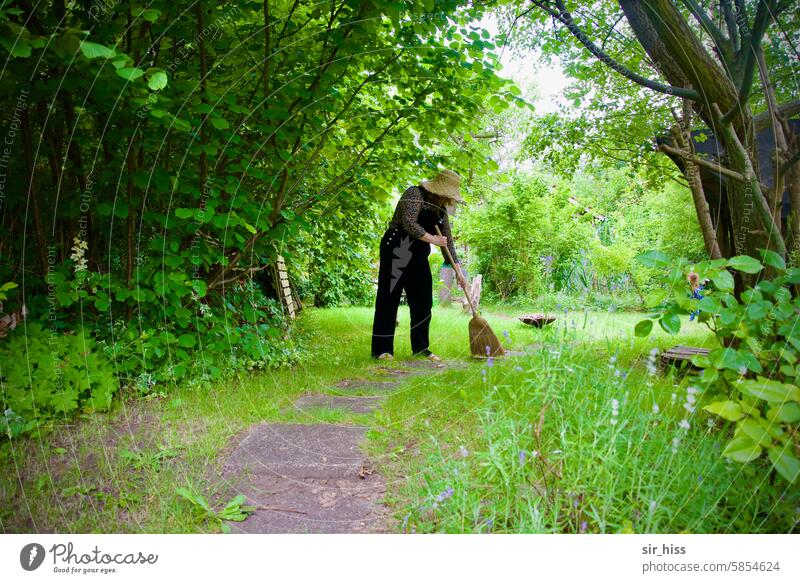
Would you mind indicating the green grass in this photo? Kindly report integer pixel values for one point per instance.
(117, 472)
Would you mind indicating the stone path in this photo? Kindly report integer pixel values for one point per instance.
(314, 478)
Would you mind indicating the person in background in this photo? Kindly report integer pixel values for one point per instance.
(404, 266)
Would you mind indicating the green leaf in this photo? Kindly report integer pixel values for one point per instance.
(725, 409)
(654, 259)
(745, 263)
(723, 280)
(770, 391)
(753, 429)
(655, 298)
(130, 73)
(184, 213)
(186, 340)
(220, 123)
(157, 80)
(773, 259)
(671, 323)
(643, 328)
(94, 50)
(150, 14)
(784, 413)
(742, 449)
(784, 462)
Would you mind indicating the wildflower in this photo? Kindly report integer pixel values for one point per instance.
(617, 372)
(673, 397)
(507, 334)
(742, 370)
(490, 362)
(655, 408)
(710, 423)
(462, 451)
(684, 424)
(614, 411)
(483, 373)
(534, 453)
(488, 350)
(518, 368)
(612, 360)
(676, 442)
(575, 503)
(688, 407)
(691, 390)
(653, 505)
(445, 495)
(522, 457)
(691, 399)
(584, 526)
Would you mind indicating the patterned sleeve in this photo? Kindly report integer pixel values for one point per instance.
(448, 233)
(409, 206)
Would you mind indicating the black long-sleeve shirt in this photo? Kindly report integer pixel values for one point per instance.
(407, 212)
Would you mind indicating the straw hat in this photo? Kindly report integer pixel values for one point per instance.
(445, 184)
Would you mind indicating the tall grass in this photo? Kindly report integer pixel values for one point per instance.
(582, 434)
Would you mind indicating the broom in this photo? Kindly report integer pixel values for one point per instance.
(482, 341)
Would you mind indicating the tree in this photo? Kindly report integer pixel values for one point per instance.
(710, 62)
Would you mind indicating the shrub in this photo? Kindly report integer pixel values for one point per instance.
(47, 374)
(752, 376)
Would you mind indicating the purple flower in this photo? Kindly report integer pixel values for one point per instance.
(447, 493)
(522, 457)
(507, 334)
(490, 362)
(518, 368)
(488, 350)
(584, 526)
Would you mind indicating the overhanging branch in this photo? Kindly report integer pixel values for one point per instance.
(563, 15)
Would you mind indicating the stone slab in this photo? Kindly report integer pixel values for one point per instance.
(332, 402)
(305, 479)
(298, 451)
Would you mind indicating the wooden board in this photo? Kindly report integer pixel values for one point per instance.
(283, 278)
(537, 320)
(681, 355)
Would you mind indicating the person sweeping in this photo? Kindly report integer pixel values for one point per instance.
(405, 246)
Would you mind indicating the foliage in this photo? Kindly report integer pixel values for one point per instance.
(753, 373)
(235, 510)
(520, 235)
(186, 144)
(584, 233)
(47, 374)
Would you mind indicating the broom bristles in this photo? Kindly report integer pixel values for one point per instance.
(482, 341)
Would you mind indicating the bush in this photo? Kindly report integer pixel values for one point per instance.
(47, 374)
(752, 376)
(520, 237)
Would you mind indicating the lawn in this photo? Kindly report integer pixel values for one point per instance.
(580, 434)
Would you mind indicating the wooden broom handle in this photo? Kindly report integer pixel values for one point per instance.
(459, 275)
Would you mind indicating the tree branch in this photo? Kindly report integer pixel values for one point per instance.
(752, 46)
(564, 17)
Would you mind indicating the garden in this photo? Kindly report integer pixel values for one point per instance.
(193, 196)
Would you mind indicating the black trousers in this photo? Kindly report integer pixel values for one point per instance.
(403, 267)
